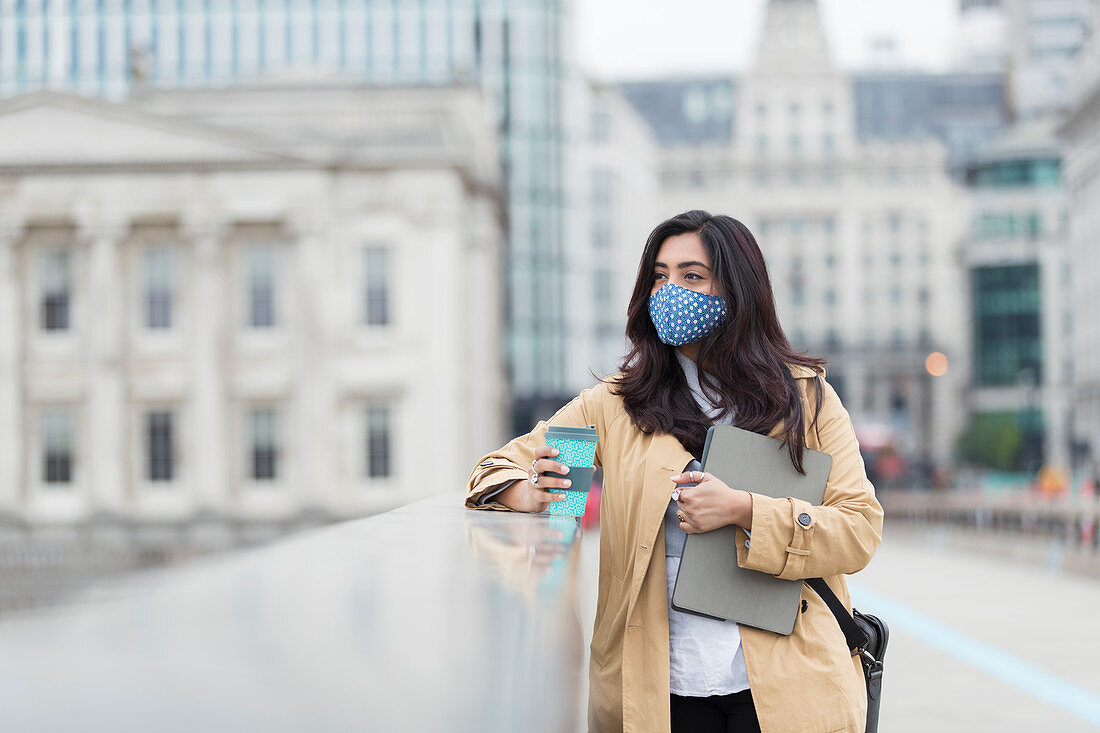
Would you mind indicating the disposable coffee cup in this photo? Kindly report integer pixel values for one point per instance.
(576, 449)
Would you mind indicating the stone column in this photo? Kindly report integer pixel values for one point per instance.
(12, 438)
(102, 321)
(211, 318)
(308, 431)
(855, 376)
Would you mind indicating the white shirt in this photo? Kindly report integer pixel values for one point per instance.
(705, 655)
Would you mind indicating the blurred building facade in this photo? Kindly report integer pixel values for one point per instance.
(1044, 37)
(224, 326)
(961, 110)
(520, 53)
(852, 204)
(1019, 300)
(982, 43)
(1082, 171)
(613, 168)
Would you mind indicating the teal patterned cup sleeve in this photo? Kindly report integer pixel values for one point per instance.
(576, 446)
(576, 496)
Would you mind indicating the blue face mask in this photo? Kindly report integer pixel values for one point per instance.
(682, 316)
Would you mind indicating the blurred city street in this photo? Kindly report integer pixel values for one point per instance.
(979, 642)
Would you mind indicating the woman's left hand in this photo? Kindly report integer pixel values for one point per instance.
(711, 504)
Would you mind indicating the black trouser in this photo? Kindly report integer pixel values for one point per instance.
(733, 713)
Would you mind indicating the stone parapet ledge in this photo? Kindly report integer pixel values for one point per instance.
(428, 617)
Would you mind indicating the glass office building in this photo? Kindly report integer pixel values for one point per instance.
(512, 49)
(1020, 281)
(1007, 334)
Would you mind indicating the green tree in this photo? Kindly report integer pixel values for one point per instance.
(992, 439)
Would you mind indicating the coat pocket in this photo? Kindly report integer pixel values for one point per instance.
(607, 633)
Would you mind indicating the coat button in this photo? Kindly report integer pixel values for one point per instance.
(805, 519)
(485, 463)
(746, 544)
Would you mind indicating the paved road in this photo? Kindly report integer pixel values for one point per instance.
(979, 643)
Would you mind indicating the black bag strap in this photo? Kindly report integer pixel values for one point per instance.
(852, 633)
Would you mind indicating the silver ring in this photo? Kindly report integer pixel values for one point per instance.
(676, 495)
(534, 479)
(700, 476)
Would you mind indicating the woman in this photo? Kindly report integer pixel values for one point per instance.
(706, 347)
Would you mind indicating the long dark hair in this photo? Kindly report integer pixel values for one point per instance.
(743, 363)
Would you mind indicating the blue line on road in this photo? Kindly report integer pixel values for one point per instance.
(996, 662)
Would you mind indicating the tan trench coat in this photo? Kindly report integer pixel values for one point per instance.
(800, 683)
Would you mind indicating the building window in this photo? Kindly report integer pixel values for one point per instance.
(604, 311)
(1037, 173)
(795, 144)
(600, 125)
(1007, 323)
(261, 286)
(830, 297)
(603, 184)
(761, 144)
(376, 266)
(263, 441)
(828, 144)
(56, 282)
(601, 234)
(159, 287)
(1034, 226)
(159, 446)
(379, 441)
(57, 446)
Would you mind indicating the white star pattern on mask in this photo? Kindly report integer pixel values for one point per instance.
(682, 316)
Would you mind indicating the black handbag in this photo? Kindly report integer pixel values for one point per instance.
(866, 636)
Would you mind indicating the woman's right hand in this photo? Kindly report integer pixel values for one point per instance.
(535, 494)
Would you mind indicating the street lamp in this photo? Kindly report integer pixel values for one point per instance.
(1027, 381)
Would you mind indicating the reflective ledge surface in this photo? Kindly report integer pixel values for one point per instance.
(427, 618)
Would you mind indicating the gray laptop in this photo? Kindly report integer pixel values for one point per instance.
(710, 582)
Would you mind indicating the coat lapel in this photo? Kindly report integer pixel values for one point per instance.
(665, 457)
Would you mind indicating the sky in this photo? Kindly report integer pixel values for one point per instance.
(622, 39)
